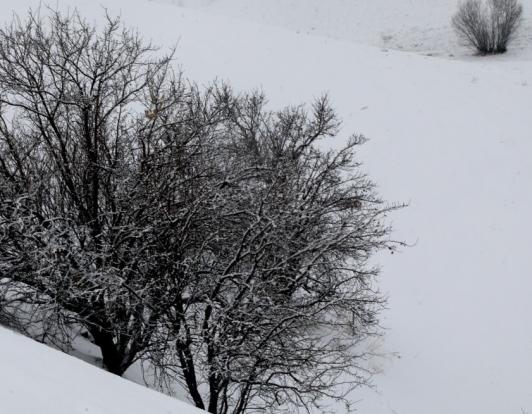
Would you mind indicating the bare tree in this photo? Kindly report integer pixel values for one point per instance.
(76, 196)
(279, 292)
(194, 229)
(488, 25)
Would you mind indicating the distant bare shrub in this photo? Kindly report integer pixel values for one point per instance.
(487, 25)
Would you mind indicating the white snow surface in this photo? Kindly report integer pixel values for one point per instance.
(39, 380)
(422, 26)
(450, 136)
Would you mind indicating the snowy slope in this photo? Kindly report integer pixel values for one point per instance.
(36, 379)
(422, 26)
(451, 137)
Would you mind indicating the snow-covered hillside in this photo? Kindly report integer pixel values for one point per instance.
(450, 136)
(421, 26)
(38, 379)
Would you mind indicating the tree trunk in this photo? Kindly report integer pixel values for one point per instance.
(113, 360)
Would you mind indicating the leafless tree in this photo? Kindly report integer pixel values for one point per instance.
(76, 193)
(194, 229)
(279, 292)
(488, 25)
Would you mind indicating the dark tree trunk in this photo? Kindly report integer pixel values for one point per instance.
(114, 361)
(187, 366)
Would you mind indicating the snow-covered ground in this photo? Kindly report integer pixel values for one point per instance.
(450, 136)
(39, 380)
(422, 26)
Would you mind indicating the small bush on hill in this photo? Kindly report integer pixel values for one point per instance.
(487, 25)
